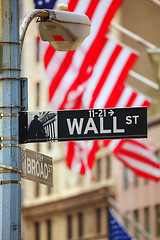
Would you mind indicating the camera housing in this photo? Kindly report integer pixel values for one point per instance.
(64, 30)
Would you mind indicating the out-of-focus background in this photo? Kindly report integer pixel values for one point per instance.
(76, 207)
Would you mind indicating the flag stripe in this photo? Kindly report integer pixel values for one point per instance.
(72, 5)
(131, 100)
(139, 101)
(132, 145)
(140, 168)
(105, 74)
(110, 13)
(146, 103)
(138, 155)
(92, 8)
(91, 157)
(69, 154)
(54, 65)
(95, 79)
(124, 97)
(48, 55)
(60, 74)
(114, 94)
(78, 154)
(113, 77)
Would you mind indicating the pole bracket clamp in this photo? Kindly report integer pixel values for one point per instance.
(9, 145)
(8, 115)
(8, 139)
(10, 182)
(9, 169)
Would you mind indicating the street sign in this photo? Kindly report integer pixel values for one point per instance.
(36, 167)
(88, 124)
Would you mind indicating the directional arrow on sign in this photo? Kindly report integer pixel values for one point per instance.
(111, 112)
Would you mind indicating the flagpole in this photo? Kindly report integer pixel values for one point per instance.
(10, 105)
(144, 79)
(133, 35)
(156, 2)
(108, 222)
(113, 203)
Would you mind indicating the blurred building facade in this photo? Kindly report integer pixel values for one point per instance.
(139, 197)
(76, 207)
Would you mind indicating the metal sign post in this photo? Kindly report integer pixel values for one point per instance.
(10, 105)
(88, 124)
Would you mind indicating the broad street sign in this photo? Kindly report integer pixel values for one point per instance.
(88, 124)
(36, 167)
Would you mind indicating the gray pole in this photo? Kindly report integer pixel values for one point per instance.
(10, 177)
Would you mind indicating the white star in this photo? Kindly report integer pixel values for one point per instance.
(40, 2)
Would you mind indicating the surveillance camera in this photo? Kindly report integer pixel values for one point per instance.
(64, 30)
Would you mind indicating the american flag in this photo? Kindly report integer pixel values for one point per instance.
(116, 231)
(80, 156)
(132, 153)
(93, 76)
(44, 4)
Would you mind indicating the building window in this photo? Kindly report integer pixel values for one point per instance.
(69, 226)
(38, 147)
(147, 219)
(49, 229)
(108, 166)
(126, 185)
(37, 49)
(37, 231)
(98, 165)
(37, 94)
(37, 189)
(146, 181)
(136, 217)
(157, 153)
(126, 222)
(98, 219)
(49, 145)
(135, 180)
(80, 224)
(48, 190)
(158, 220)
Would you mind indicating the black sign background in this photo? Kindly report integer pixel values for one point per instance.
(133, 130)
(132, 120)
